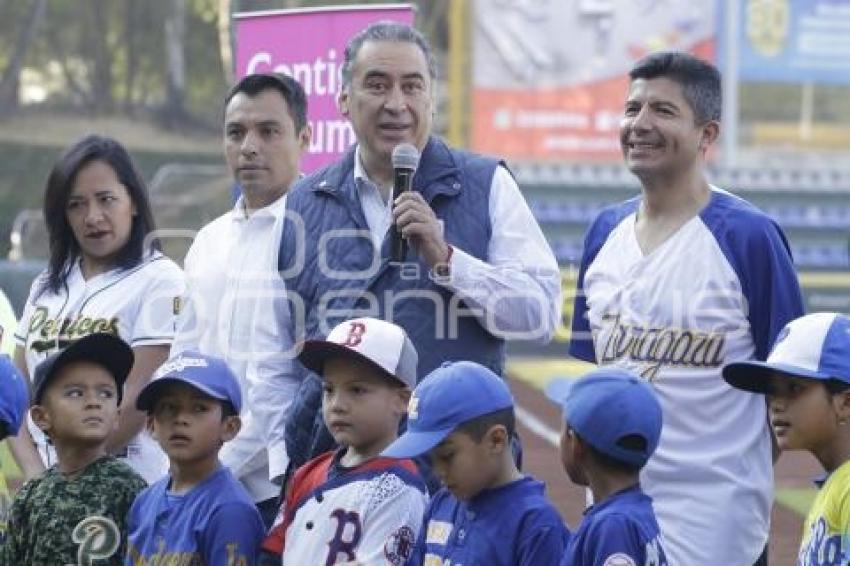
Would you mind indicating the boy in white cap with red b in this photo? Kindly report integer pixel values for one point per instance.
(350, 505)
(807, 380)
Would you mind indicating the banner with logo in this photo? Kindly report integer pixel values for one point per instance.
(550, 77)
(309, 44)
(794, 41)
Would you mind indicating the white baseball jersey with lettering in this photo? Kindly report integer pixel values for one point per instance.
(717, 291)
(139, 304)
(371, 513)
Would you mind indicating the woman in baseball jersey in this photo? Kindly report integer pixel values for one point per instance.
(105, 274)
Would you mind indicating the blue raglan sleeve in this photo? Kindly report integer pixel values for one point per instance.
(774, 295)
(581, 340)
(760, 255)
(232, 535)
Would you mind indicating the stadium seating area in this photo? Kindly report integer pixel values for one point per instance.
(813, 208)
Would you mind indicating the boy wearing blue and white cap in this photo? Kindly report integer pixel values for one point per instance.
(462, 414)
(807, 380)
(199, 513)
(612, 423)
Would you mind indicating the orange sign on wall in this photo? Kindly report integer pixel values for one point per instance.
(550, 77)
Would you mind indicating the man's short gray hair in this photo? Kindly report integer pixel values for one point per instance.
(386, 31)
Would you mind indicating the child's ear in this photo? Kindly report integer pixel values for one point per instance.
(404, 399)
(41, 417)
(230, 427)
(841, 403)
(149, 426)
(498, 439)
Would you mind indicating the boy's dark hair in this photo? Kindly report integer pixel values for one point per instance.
(835, 386)
(290, 89)
(700, 80)
(4, 430)
(632, 441)
(476, 428)
(228, 410)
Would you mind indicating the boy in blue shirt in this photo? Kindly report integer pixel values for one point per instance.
(14, 399)
(199, 513)
(487, 512)
(612, 423)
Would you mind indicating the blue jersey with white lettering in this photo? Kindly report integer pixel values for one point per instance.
(214, 523)
(620, 531)
(718, 290)
(511, 525)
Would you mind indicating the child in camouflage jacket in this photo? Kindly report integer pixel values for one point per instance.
(75, 512)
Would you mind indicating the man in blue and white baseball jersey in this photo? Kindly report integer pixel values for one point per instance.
(675, 283)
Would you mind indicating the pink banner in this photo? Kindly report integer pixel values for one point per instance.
(309, 45)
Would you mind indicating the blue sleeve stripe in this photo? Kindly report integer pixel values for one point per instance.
(758, 252)
(581, 341)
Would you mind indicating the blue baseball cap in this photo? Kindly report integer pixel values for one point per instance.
(14, 396)
(815, 346)
(208, 374)
(607, 407)
(449, 396)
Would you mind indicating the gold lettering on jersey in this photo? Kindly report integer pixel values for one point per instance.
(438, 532)
(655, 348)
(53, 333)
(434, 560)
(163, 558)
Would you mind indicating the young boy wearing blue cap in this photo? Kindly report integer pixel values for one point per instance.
(199, 513)
(75, 512)
(807, 379)
(14, 399)
(612, 423)
(349, 505)
(488, 512)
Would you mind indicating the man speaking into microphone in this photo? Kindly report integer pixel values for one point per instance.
(477, 270)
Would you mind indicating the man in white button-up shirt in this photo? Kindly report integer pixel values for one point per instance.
(236, 308)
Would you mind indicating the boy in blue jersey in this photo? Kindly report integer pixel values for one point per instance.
(487, 512)
(807, 379)
(612, 422)
(199, 513)
(14, 399)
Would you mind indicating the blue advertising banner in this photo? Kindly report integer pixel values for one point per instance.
(794, 40)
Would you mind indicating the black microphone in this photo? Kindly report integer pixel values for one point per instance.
(405, 160)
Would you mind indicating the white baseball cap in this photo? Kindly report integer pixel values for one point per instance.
(379, 343)
(815, 346)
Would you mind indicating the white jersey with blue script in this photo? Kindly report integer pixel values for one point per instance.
(826, 533)
(511, 525)
(620, 531)
(716, 291)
